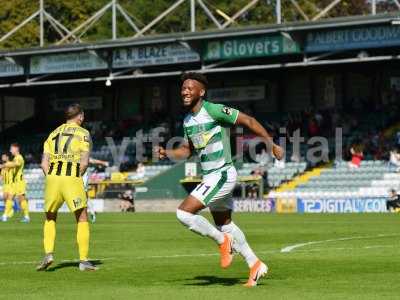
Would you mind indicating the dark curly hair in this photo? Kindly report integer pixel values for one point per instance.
(195, 76)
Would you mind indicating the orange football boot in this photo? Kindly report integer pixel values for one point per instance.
(256, 272)
(226, 251)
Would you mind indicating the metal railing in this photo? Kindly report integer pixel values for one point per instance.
(219, 18)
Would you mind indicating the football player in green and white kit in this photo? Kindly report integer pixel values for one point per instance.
(206, 128)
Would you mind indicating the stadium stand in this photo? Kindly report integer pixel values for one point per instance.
(275, 175)
(35, 179)
(372, 179)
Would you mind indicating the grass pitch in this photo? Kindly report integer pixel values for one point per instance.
(152, 256)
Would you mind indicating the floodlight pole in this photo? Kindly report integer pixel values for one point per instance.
(115, 7)
(114, 19)
(278, 9)
(192, 15)
(41, 16)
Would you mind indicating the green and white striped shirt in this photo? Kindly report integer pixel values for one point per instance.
(208, 131)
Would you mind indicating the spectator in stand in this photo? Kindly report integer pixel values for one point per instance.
(398, 138)
(29, 158)
(393, 204)
(357, 156)
(319, 118)
(313, 128)
(253, 189)
(139, 173)
(375, 139)
(394, 160)
(127, 203)
(381, 153)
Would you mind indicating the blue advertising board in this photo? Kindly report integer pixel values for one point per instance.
(356, 38)
(352, 205)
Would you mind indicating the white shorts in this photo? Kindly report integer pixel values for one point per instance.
(215, 190)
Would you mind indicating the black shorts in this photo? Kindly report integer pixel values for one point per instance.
(393, 204)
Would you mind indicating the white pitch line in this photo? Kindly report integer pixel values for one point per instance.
(196, 255)
(217, 254)
(345, 248)
(61, 261)
(295, 246)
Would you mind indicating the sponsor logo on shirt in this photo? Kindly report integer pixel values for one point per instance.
(227, 110)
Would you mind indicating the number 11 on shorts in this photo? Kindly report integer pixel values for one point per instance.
(206, 188)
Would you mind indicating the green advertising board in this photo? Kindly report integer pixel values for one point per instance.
(256, 46)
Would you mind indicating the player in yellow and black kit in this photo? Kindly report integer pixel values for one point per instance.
(18, 187)
(7, 177)
(65, 160)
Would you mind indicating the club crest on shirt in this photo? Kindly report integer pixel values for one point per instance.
(227, 110)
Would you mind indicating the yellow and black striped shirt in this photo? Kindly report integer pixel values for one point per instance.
(8, 175)
(65, 146)
(18, 171)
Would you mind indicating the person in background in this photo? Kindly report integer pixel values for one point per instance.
(357, 156)
(398, 138)
(7, 175)
(128, 200)
(393, 204)
(65, 159)
(140, 172)
(90, 208)
(313, 128)
(394, 160)
(18, 189)
(254, 188)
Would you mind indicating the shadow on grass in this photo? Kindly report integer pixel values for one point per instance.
(213, 280)
(71, 264)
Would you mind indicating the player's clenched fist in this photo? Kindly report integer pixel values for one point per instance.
(160, 152)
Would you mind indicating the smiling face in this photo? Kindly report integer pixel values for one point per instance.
(14, 150)
(191, 92)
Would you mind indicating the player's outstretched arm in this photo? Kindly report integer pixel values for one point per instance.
(84, 162)
(253, 125)
(182, 152)
(45, 163)
(12, 164)
(98, 162)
